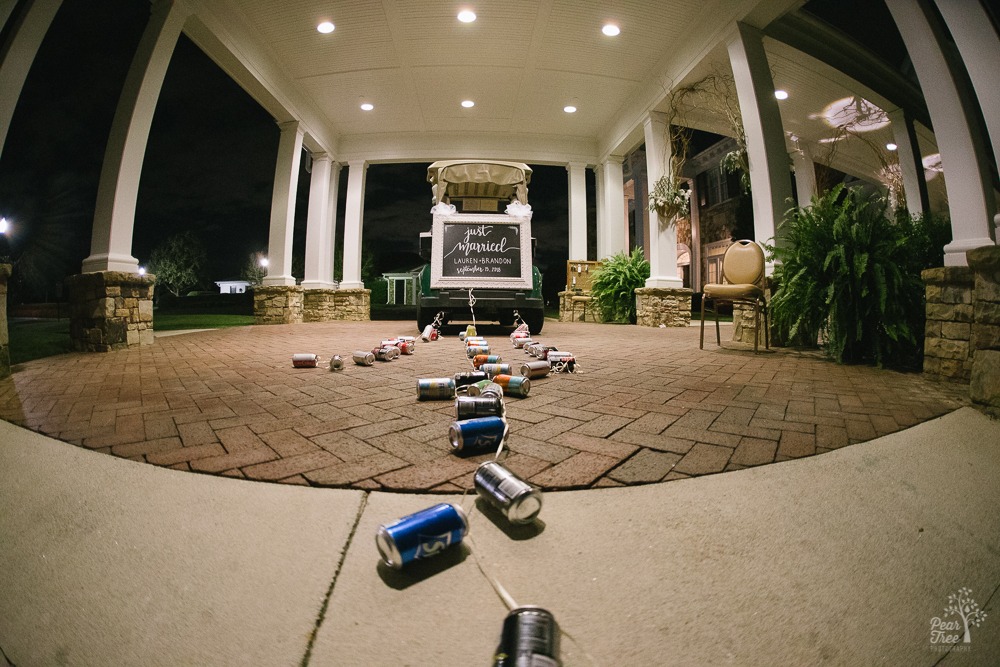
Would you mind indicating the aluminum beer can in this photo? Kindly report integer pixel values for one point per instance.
(493, 370)
(406, 347)
(542, 351)
(465, 379)
(516, 499)
(480, 359)
(421, 535)
(389, 341)
(482, 433)
(304, 360)
(408, 339)
(337, 363)
(513, 385)
(387, 353)
(535, 369)
(475, 340)
(485, 388)
(530, 637)
(363, 358)
(432, 389)
(470, 407)
(519, 343)
(562, 362)
(474, 350)
(532, 348)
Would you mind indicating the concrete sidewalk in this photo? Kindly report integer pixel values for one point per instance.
(840, 559)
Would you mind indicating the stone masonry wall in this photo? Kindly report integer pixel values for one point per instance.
(984, 387)
(319, 305)
(662, 305)
(110, 310)
(353, 305)
(4, 333)
(277, 304)
(948, 354)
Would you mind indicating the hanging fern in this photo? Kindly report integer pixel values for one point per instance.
(613, 286)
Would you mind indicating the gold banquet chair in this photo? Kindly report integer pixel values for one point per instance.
(743, 285)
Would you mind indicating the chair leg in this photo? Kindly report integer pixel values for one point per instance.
(701, 341)
(756, 328)
(718, 336)
(767, 329)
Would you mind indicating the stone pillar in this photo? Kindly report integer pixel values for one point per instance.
(577, 210)
(662, 305)
(911, 165)
(18, 52)
(948, 328)
(963, 151)
(118, 188)
(769, 175)
(110, 310)
(319, 226)
(984, 387)
(286, 181)
(277, 304)
(354, 217)
(4, 333)
(319, 305)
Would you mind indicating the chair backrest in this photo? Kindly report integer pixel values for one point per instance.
(743, 263)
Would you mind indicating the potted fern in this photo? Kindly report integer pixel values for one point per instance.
(613, 286)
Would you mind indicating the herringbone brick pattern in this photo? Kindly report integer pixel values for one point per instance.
(646, 405)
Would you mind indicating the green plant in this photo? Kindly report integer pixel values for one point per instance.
(613, 286)
(847, 276)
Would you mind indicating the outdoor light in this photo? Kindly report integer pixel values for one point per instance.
(569, 108)
(142, 270)
(3, 225)
(611, 30)
(891, 146)
(367, 106)
(781, 94)
(468, 104)
(263, 262)
(466, 16)
(325, 27)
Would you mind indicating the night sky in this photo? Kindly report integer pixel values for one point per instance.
(209, 164)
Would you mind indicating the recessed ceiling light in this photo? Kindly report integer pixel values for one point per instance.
(569, 108)
(466, 16)
(367, 106)
(891, 146)
(781, 94)
(611, 30)
(468, 104)
(325, 27)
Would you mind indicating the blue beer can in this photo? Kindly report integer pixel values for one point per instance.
(421, 535)
(479, 434)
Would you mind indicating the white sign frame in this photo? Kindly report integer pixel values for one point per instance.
(440, 281)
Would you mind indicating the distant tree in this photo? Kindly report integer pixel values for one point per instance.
(179, 262)
(253, 271)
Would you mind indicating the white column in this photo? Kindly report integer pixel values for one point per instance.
(286, 181)
(577, 210)
(26, 33)
(979, 46)
(769, 178)
(911, 165)
(662, 233)
(613, 193)
(114, 210)
(805, 177)
(331, 212)
(601, 215)
(318, 228)
(354, 216)
(695, 236)
(970, 196)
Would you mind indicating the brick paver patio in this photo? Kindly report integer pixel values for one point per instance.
(646, 405)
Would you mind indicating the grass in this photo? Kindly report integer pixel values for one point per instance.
(37, 339)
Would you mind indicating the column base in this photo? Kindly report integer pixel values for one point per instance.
(352, 305)
(576, 306)
(110, 310)
(984, 344)
(277, 304)
(948, 353)
(5, 270)
(663, 305)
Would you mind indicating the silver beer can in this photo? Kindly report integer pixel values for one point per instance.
(516, 499)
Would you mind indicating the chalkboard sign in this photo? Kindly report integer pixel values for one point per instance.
(481, 250)
(484, 250)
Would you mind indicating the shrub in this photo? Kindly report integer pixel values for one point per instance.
(613, 285)
(849, 274)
